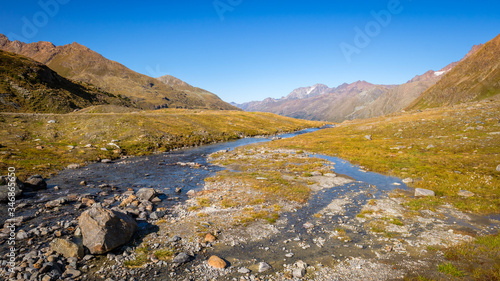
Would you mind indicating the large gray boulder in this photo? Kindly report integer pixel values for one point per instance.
(4, 189)
(104, 230)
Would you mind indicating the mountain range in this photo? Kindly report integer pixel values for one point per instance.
(365, 100)
(79, 63)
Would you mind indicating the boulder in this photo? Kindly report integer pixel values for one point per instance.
(35, 182)
(146, 193)
(216, 262)
(424, 192)
(104, 230)
(67, 248)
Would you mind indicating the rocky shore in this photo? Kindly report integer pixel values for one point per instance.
(239, 225)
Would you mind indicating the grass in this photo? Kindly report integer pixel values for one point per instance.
(33, 146)
(479, 259)
(449, 268)
(464, 156)
(250, 215)
(164, 254)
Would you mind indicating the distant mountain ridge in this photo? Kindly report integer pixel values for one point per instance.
(77, 62)
(350, 101)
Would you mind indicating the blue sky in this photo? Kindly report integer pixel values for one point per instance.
(245, 50)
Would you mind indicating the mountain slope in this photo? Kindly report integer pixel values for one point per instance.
(29, 86)
(475, 78)
(351, 101)
(79, 63)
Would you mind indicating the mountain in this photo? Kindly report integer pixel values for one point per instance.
(30, 86)
(475, 78)
(77, 62)
(351, 101)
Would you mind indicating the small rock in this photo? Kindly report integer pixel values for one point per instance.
(35, 182)
(51, 121)
(263, 266)
(243, 270)
(181, 258)
(408, 180)
(191, 193)
(299, 272)
(175, 239)
(430, 146)
(216, 262)
(72, 273)
(83, 183)
(56, 203)
(289, 255)
(424, 192)
(368, 137)
(308, 225)
(106, 161)
(465, 193)
(67, 248)
(73, 166)
(178, 189)
(157, 215)
(210, 238)
(498, 168)
(146, 193)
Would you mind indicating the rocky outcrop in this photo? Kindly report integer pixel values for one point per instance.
(104, 230)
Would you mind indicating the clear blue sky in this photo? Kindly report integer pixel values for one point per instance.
(261, 48)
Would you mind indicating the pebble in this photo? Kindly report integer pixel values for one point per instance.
(264, 266)
(243, 270)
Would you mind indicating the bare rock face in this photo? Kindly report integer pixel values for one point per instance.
(104, 230)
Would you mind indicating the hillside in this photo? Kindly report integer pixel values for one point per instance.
(77, 62)
(475, 78)
(29, 86)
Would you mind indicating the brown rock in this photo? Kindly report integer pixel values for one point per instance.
(210, 238)
(216, 262)
(88, 202)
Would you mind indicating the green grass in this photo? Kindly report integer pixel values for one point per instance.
(450, 269)
(462, 158)
(164, 254)
(139, 133)
(480, 258)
